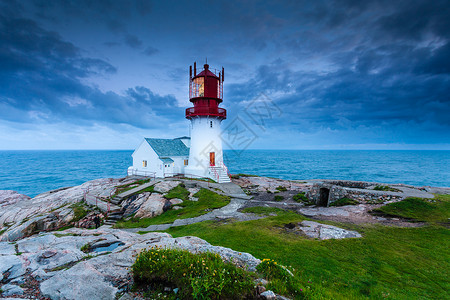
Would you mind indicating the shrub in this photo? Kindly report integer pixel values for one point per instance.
(197, 276)
(278, 198)
(300, 197)
(281, 188)
(344, 201)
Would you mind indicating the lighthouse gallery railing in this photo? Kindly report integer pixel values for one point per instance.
(206, 111)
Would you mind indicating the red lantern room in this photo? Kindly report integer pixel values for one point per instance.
(206, 92)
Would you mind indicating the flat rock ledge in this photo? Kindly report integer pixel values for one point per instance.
(325, 232)
(55, 261)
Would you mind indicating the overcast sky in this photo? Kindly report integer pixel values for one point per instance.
(298, 74)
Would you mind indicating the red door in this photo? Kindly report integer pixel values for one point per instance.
(212, 158)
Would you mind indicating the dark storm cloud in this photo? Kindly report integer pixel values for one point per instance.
(133, 41)
(150, 51)
(42, 80)
(337, 65)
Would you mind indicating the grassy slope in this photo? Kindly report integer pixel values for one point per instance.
(206, 200)
(388, 262)
(428, 210)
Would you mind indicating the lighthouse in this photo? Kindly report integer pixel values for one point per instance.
(205, 153)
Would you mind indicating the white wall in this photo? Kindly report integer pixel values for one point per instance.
(179, 163)
(145, 152)
(204, 140)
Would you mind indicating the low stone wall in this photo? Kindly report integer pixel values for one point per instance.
(325, 193)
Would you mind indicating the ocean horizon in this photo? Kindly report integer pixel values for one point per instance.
(32, 172)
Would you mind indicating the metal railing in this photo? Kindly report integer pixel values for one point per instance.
(88, 198)
(142, 173)
(216, 175)
(226, 169)
(206, 111)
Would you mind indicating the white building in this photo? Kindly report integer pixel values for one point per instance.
(160, 157)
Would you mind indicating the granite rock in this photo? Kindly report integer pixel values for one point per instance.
(325, 232)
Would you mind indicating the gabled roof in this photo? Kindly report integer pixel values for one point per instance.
(168, 147)
(166, 160)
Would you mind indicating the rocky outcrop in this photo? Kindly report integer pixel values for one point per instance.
(8, 197)
(325, 232)
(166, 185)
(89, 220)
(265, 184)
(21, 216)
(154, 205)
(65, 272)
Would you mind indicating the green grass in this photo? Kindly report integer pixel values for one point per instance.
(147, 189)
(428, 210)
(344, 201)
(388, 262)
(278, 198)
(261, 210)
(207, 200)
(385, 188)
(126, 187)
(179, 192)
(80, 211)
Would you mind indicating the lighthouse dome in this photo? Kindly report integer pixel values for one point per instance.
(206, 72)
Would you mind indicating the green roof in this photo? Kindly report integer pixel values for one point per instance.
(168, 147)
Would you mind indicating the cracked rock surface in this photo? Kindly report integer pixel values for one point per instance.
(63, 271)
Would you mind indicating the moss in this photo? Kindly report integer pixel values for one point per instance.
(385, 188)
(281, 188)
(278, 198)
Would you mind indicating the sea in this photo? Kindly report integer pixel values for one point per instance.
(35, 172)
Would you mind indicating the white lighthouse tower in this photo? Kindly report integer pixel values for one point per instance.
(205, 154)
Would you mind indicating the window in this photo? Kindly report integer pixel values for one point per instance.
(210, 124)
(144, 163)
(185, 162)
